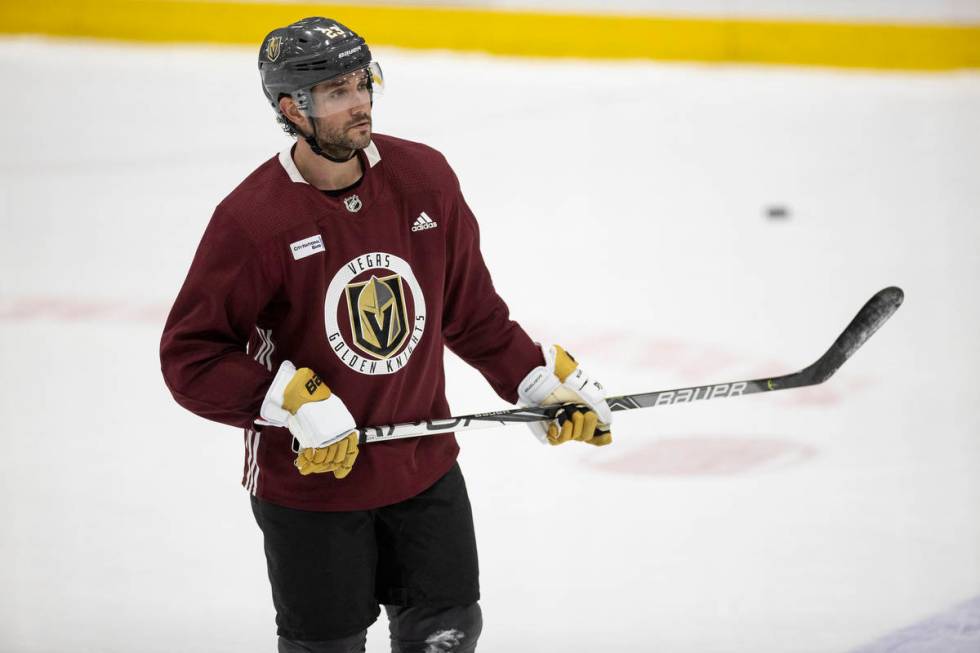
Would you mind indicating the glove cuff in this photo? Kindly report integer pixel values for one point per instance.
(272, 411)
(537, 386)
(538, 389)
(319, 424)
(540, 382)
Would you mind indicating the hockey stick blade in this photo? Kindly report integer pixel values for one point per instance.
(868, 320)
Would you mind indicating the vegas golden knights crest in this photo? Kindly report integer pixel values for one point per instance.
(378, 317)
(374, 313)
(273, 48)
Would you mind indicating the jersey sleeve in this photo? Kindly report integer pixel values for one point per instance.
(476, 322)
(203, 348)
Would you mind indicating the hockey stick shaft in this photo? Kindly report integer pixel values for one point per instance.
(871, 316)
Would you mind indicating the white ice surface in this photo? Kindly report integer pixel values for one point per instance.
(812, 520)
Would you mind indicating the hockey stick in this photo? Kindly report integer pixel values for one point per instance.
(875, 313)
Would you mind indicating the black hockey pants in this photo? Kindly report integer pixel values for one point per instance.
(413, 630)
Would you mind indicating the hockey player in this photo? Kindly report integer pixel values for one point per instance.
(320, 298)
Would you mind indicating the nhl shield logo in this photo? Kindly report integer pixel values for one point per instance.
(379, 320)
(273, 48)
(353, 203)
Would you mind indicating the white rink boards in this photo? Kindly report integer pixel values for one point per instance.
(809, 521)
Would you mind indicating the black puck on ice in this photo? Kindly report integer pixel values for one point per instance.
(777, 212)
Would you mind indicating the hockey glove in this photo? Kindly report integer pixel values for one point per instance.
(319, 421)
(337, 458)
(585, 414)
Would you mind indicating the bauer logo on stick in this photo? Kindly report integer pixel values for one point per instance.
(685, 395)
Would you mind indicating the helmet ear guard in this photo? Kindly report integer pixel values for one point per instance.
(301, 98)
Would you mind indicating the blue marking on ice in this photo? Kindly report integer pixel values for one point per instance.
(955, 631)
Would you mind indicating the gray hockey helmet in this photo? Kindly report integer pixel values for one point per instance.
(295, 58)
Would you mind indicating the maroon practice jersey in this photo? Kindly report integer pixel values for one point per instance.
(365, 288)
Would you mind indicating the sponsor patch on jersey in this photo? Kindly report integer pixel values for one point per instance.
(374, 313)
(307, 247)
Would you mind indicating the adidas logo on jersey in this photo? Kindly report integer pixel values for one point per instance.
(424, 222)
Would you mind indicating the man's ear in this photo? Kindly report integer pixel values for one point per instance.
(292, 112)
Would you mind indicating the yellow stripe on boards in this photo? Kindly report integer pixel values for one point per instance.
(521, 33)
(858, 45)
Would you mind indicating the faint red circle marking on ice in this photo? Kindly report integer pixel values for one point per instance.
(707, 456)
(71, 309)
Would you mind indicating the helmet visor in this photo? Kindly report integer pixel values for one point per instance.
(346, 93)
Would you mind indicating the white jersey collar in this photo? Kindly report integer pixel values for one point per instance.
(286, 161)
(372, 154)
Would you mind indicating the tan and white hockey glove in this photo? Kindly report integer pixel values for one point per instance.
(584, 416)
(319, 421)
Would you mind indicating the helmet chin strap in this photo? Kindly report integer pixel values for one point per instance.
(315, 146)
